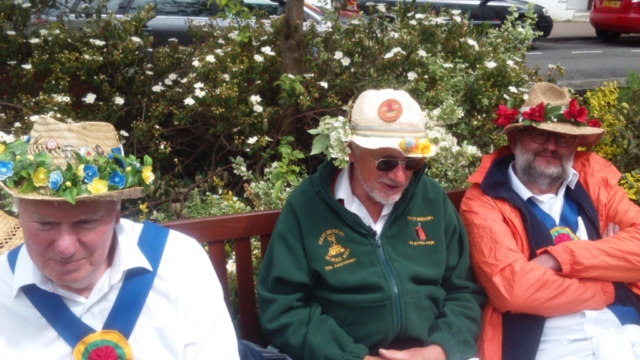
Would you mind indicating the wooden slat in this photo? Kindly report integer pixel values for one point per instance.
(456, 197)
(216, 255)
(246, 290)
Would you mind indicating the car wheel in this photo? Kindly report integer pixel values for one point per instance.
(607, 36)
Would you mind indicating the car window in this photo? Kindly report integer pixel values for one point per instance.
(199, 8)
(112, 5)
(269, 7)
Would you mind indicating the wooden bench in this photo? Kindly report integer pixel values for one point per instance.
(239, 228)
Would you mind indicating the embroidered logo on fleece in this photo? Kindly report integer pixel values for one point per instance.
(421, 235)
(337, 255)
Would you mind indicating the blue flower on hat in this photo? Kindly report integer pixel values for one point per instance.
(117, 151)
(117, 179)
(90, 173)
(55, 179)
(6, 169)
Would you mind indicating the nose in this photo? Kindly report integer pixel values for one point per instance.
(399, 174)
(66, 243)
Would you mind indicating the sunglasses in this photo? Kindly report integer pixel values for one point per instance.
(387, 165)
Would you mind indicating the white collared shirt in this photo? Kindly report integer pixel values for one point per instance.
(343, 191)
(570, 336)
(184, 317)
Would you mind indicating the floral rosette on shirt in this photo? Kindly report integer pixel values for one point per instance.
(91, 174)
(573, 114)
(103, 345)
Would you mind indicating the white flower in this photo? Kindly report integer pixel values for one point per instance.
(394, 35)
(199, 93)
(412, 75)
(219, 51)
(11, 62)
(10, 33)
(233, 34)
(90, 98)
(189, 101)
(393, 52)
(198, 85)
(149, 72)
(136, 39)
(447, 65)
(267, 50)
(551, 66)
(413, 22)
(345, 61)
(420, 16)
(118, 100)
(290, 76)
(324, 84)
(173, 39)
(338, 55)
(513, 89)
(422, 53)
(511, 63)
(220, 41)
(17, 125)
(168, 81)
(455, 12)
(26, 5)
(255, 99)
(97, 42)
(157, 88)
(32, 118)
(472, 43)
(381, 8)
(308, 76)
(34, 40)
(525, 97)
(195, 63)
(225, 77)
(252, 140)
(210, 58)
(257, 108)
(370, 4)
(258, 58)
(231, 266)
(124, 133)
(173, 76)
(457, 18)
(490, 64)
(184, 81)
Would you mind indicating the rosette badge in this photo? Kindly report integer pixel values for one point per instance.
(550, 108)
(72, 162)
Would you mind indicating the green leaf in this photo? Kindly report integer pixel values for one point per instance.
(148, 161)
(28, 188)
(9, 183)
(276, 189)
(320, 144)
(70, 195)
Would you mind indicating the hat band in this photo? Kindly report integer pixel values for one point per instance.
(380, 132)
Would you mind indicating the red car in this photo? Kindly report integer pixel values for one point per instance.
(611, 18)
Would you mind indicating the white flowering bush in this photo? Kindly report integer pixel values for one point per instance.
(223, 103)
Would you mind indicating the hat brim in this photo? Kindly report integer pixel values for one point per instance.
(587, 136)
(130, 193)
(387, 143)
(10, 233)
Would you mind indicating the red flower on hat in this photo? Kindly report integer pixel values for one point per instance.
(505, 116)
(578, 113)
(594, 123)
(535, 113)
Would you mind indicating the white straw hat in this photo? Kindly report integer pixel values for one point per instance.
(390, 119)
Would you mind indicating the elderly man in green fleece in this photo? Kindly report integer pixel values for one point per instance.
(372, 261)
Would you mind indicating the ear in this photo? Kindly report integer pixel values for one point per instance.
(352, 154)
(512, 139)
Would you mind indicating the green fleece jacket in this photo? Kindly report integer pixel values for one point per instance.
(329, 289)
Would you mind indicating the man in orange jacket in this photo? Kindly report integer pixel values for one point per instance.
(530, 212)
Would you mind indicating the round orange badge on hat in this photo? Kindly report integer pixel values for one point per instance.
(390, 110)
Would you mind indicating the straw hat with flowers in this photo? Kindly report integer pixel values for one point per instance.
(67, 162)
(550, 108)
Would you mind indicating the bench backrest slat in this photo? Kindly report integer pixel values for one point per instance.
(239, 228)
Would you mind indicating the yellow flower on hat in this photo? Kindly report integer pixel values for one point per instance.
(147, 174)
(80, 171)
(40, 177)
(2, 147)
(423, 147)
(97, 186)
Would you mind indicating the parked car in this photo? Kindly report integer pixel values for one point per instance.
(614, 18)
(494, 12)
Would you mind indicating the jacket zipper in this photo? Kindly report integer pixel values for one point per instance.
(395, 295)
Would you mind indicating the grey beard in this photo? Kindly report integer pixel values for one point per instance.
(534, 174)
(376, 196)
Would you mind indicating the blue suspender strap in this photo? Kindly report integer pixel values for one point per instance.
(137, 283)
(12, 257)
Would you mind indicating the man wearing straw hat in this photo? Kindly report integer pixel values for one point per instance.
(371, 262)
(554, 240)
(86, 284)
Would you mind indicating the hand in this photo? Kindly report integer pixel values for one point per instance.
(611, 229)
(548, 261)
(431, 352)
